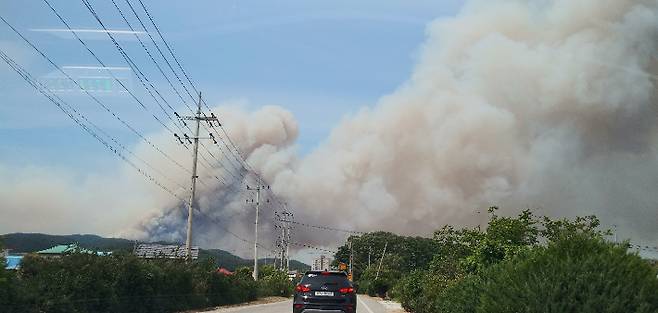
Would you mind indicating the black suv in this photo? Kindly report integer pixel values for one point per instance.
(322, 290)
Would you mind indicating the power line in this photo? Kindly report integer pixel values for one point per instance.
(75, 34)
(189, 80)
(61, 105)
(169, 49)
(140, 75)
(240, 161)
(144, 80)
(312, 247)
(147, 50)
(231, 155)
(330, 228)
(163, 73)
(130, 62)
(105, 107)
(218, 223)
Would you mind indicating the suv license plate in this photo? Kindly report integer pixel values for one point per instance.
(324, 293)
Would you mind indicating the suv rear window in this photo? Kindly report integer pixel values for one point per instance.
(318, 278)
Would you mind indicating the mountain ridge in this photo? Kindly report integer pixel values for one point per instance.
(32, 242)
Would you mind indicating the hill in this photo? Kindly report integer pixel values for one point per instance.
(232, 262)
(31, 242)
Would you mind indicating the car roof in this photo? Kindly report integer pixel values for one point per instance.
(328, 272)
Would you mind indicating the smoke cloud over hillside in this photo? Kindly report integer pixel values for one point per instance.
(541, 104)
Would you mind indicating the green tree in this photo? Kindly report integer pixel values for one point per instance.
(273, 282)
(455, 278)
(411, 290)
(82, 282)
(408, 252)
(504, 238)
(7, 282)
(564, 229)
(575, 273)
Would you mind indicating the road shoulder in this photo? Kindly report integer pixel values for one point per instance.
(388, 305)
(232, 307)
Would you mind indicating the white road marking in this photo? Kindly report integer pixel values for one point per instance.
(363, 303)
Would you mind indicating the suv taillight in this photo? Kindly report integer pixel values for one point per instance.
(346, 290)
(302, 288)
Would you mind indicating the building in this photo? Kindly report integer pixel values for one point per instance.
(224, 272)
(13, 262)
(323, 263)
(158, 251)
(59, 250)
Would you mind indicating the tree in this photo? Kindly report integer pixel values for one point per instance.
(272, 282)
(409, 252)
(575, 273)
(82, 282)
(7, 290)
(468, 261)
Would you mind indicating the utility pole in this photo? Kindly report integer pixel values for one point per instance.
(195, 151)
(276, 255)
(282, 250)
(288, 228)
(288, 253)
(351, 258)
(258, 188)
(283, 244)
(279, 242)
(286, 219)
(381, 261)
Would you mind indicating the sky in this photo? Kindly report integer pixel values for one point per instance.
(321, 60)
(316, 59)
(376, 115)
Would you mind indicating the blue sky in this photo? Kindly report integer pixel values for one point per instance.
(319, 59)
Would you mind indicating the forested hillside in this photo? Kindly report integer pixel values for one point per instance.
(31, 242)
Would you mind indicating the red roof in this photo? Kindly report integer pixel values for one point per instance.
(224, 271)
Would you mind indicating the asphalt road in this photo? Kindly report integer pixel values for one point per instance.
(365, 305)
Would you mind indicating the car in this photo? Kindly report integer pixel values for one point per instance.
(322, 291)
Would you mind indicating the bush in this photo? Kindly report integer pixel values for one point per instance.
(506, 269)
(380, 286)
(458, 296)
(274, 283)
(123, 283)
(410, 290)
(578, 274)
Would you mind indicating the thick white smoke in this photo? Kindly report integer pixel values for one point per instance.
(540, 104)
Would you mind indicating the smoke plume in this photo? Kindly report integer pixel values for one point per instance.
(521, 104)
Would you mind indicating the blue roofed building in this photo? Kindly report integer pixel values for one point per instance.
(59, 250)
(13, 262)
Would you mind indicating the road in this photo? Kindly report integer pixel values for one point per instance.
(365, 305)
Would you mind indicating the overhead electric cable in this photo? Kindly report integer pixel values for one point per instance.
(64, 107)
(105, 107)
